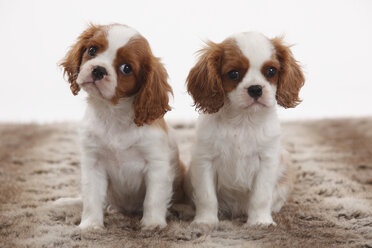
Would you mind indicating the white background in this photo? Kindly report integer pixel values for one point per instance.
(333, 42)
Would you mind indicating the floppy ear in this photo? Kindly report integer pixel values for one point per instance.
(71, 62)
(151, 102)
(291, 78)
(204, 82)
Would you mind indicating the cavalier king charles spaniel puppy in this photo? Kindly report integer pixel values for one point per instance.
(237, 165)
(129, 155)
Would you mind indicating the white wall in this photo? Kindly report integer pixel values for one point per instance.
(333, 41)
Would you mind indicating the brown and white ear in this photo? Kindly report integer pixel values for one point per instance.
(291, 78)
(72, 61)
(204, 82)
(151, 102)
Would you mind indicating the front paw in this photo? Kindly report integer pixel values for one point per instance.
(91, 225)
(205, 223)
(262, 221)
(153, 223)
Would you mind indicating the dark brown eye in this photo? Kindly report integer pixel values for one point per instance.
(270, 72)
(125, 69)
(92, 51)
(234, 75)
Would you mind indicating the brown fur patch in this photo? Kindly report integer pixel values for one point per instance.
(204, 82)
(135, 53)
(291, 78)
(152, 99)
(208, 81)
(93, 35)
(148, 80)
(272, 63)
(99, 40)
(232, 59)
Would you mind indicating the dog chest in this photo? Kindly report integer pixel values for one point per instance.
(126, 167)
(236, 159)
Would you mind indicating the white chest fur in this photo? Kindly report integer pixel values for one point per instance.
(237, 146)
(111, 138)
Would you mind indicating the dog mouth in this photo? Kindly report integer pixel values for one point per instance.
(88, 83)
(256, 103)
(91, 85)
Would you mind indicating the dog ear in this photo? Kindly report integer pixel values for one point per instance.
(291, 78)
(204, 82)
(151, 101)
(72, 61)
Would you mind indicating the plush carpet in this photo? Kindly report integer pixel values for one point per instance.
(331, 204)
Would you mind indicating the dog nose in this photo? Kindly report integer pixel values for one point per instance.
(255, 91)
(99, 72)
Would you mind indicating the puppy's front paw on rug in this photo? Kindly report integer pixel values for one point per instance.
(265, 221)
(149, 224)
(91, 225)
(204, 223)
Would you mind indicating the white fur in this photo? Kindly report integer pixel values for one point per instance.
(128, 167)
(139, 162)
(235, 162)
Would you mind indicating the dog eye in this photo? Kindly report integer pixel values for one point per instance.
(92, 51)
(234, 75)
(270, 72)
(125, 69)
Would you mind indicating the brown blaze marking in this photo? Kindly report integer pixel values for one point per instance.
(232, 59)
(71, 63)
(271, 63)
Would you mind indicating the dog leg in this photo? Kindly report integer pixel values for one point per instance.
(94, 190)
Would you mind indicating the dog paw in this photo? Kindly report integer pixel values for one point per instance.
(149, 224)
(204, 223)
(261, 222)
(91, 225)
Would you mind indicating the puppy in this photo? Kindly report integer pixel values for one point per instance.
(237, 166)
(129, 155)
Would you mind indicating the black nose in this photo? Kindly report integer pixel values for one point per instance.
(255, 91)
(99, 72)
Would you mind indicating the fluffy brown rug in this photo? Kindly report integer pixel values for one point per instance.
(331, 205)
